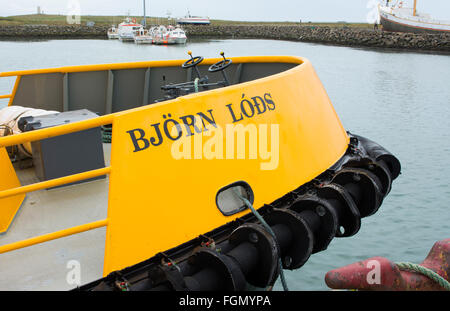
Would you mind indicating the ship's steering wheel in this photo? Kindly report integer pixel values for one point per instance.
(194, 61)
(221, 65)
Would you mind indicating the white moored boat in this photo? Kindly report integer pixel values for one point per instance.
(399, 18)
(196, 20)
(177, 35)
(142, 36)
(112, 33)
(160, 35)
(128, 29)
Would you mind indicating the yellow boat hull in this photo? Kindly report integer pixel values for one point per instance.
(170, 160)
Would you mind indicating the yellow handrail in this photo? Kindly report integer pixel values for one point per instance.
(55, 182)
(84, 68)
(5, 96)
(55, 131)
(53, 236)
(14, 91)
(154, 64)
(48, 133)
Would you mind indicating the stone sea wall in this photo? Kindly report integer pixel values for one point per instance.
(346, 36)
(52, 31)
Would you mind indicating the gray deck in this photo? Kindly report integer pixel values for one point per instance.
(44, 266)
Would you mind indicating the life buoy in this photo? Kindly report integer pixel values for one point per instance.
(134, 20)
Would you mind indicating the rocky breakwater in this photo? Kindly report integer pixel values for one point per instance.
(346, 36)
(52, 31)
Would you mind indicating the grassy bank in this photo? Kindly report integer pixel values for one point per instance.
(44, 19)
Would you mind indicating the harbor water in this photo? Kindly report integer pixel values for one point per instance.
(399, 99)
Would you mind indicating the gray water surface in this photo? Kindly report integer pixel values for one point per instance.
(398, 99)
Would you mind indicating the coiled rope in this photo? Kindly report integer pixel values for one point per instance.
(267, 227)
(407, 266)
(196, 85)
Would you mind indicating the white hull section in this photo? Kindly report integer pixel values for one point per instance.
(126, 38)
(113, 36)
(194, 20)
(180, 40)
(143, 40)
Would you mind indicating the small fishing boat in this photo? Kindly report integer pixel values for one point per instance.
(113, 33)
(127, 29)
(193, 20)
(142, 36)
(177, 35)
(161, 35)
(399, 18)
(197, 174)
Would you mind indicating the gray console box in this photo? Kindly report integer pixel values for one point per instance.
(66, 154)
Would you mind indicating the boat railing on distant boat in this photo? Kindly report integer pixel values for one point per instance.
(407, 13)
(403, 19)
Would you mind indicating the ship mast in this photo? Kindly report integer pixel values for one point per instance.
(415, 5)
(145, 17)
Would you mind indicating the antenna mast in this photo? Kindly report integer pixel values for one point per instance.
(145, 18)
